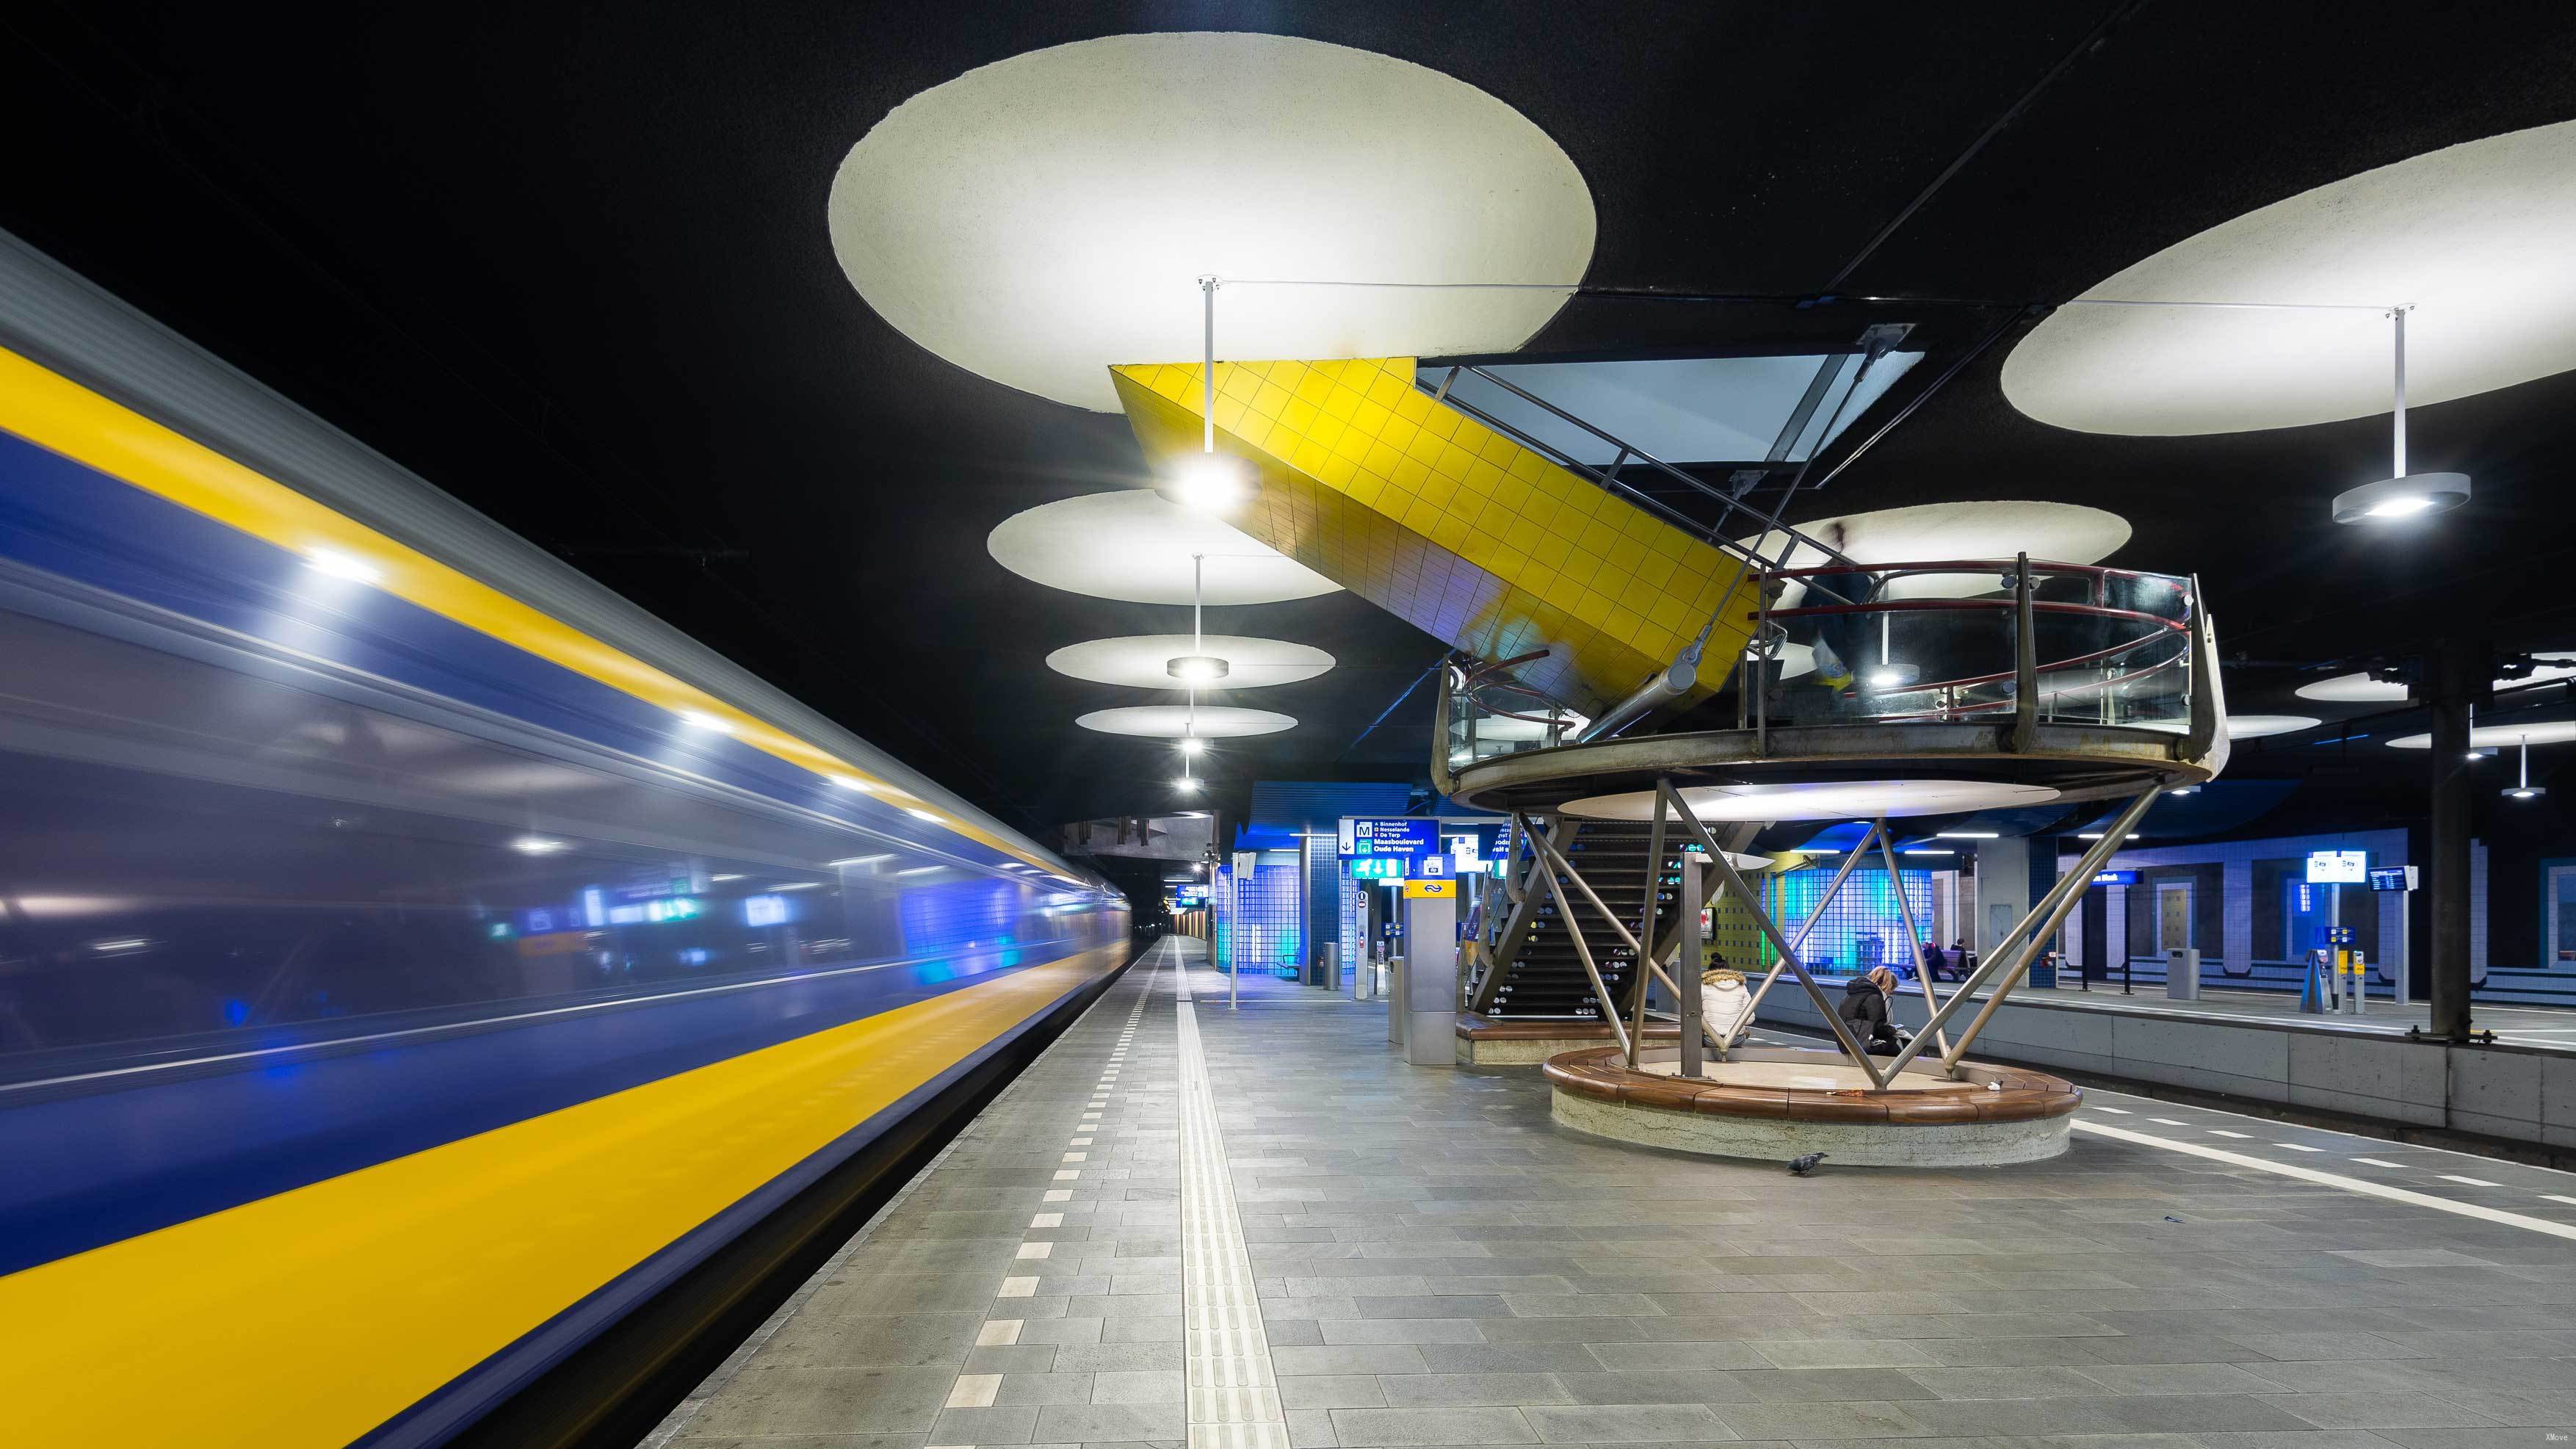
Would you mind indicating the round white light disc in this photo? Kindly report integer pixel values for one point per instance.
(2362, 689)
(2499, 737)
(1143, 660)
(2246, 726)
(1821, 800)
(1041, 219)
(1932, 532)
(1171, 721)
(1133, 545)
(2473, 237)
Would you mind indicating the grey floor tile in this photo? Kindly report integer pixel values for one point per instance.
(1837, 1353)
(1014, 1425)
(1495, 1358)
(2175, 1348)
(1102, 1423)
(1358, 1428)
(1771, 1386)
(2380, 1411)
(1498, 1390)
(1627, 1424)
(2193, 1413)
(1137, 1386)
(1370, 1358)
(2176, 1378)
(1811, 1421)
(1333, 1391)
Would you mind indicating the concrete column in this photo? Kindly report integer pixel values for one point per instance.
(2236, 923)
(1430, 1001)
(2454, 675)
(2003, 892)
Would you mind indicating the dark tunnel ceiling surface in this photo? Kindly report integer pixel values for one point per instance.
(570, 264)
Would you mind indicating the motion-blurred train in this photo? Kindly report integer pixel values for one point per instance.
(412, 956)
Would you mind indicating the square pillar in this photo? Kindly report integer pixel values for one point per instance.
(2003, 892)
(1430, 1000)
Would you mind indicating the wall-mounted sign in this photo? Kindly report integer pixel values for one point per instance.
(2338, 867)
(1430, 890)
(2392, 877)
(1411, 837)
(2115, 877)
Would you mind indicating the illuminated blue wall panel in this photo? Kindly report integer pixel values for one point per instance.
(1862, 928)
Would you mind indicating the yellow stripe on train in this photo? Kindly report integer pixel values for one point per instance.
(310, 1317)
(58, 414)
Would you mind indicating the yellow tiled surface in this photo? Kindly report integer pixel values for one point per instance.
(1458, 530)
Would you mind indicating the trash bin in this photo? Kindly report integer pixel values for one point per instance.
(2182, 974)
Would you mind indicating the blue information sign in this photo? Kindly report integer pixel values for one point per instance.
(2115, 877)
(1411, 837)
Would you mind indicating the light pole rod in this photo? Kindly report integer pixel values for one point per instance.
(2400, 315)
(1207, 426)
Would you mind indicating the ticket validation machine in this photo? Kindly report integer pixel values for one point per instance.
(1428, 995)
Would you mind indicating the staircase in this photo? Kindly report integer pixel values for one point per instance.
(1534, 971)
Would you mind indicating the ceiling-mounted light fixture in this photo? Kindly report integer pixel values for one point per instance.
(2523, 789)
(2404, 495)
(1887, 673)
(1207, 480)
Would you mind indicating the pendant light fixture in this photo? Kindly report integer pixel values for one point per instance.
(1207, 480)
(2522, 788)
(2403, 495)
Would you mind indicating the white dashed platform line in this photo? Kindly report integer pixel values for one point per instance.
(1233, 1399)
(2336, 1180)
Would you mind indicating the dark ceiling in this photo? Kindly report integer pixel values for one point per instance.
(570, 264)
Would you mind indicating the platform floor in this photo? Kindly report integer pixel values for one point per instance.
(1435, 1263)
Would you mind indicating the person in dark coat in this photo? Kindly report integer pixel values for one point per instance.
(1864, 1008)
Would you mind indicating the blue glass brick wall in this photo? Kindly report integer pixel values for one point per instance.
(1862, 927)
(1262, 923)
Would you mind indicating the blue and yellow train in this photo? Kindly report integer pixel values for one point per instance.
(412, 957)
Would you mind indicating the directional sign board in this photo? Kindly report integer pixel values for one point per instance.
(1411, 837)
(2338, 867)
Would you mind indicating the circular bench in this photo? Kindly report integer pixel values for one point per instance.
(1775, 1103)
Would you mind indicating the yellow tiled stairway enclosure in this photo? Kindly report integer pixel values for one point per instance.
(1449, 525)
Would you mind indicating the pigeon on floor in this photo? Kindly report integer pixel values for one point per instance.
(2169, 1217)
(1801, 1166)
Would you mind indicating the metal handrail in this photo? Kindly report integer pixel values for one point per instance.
(1609, 480)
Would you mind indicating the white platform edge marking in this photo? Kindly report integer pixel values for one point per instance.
(1233, 1400)
(2336, 1180)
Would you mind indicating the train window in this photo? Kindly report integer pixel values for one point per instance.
(197, 855)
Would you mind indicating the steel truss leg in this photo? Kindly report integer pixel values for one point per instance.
(1788, 953)
(1646, 932)
(1913, 937)
(1574, 931)
(2005, 966)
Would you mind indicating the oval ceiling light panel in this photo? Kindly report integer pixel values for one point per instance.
(2245, 726)
(1144, 660)
(2499, 737)
(2473, 237)
(1930, 532)
(1821, 800)
(1134, 545)
(2362, 689)
(1040, 219)
(1171, 721)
